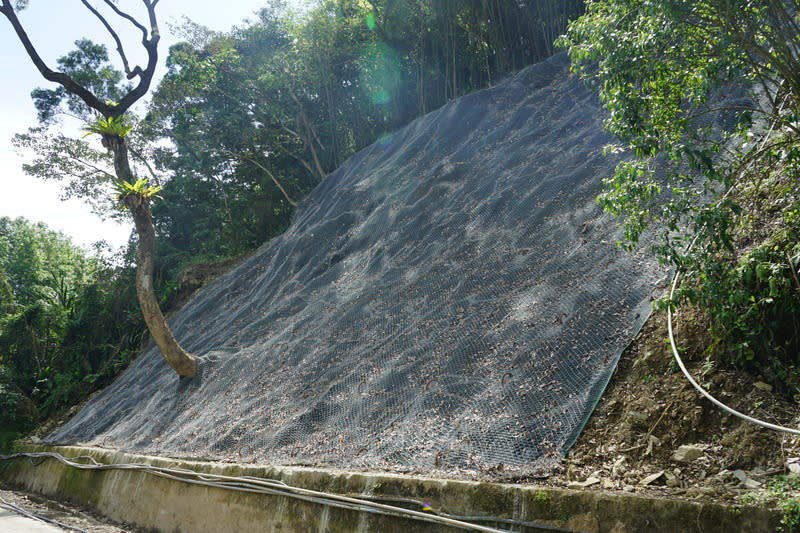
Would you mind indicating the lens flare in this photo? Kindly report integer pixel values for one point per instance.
(380, 72)
(385, 139)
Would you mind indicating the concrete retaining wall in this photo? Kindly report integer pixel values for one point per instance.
(170, 506)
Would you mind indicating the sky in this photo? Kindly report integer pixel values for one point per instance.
(54, 26)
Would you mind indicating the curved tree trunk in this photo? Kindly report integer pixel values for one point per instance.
(179, 359)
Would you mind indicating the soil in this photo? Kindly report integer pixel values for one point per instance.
(650, 410)
(79, 519)
(196, 276)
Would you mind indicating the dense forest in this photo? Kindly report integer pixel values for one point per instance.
(68, 322)
(243, 125)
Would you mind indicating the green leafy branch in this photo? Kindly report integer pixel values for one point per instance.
(140, 189)
(711, 165)
(116, 126)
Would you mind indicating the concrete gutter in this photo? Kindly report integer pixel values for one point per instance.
(164, 505)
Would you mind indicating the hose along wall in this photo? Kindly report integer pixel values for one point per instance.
(274, 487)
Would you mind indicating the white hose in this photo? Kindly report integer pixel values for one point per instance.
(697, 385)
(279, 488)
(669, 318)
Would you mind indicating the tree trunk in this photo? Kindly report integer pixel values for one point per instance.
(179, 359)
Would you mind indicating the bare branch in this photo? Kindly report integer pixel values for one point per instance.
(151, 12)
(57, 77)
(108, 110)
(138, 155)
(120, 50)
(151, 46)
(128, 17)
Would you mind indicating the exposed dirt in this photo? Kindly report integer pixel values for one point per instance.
(650, 410)
(196, 276)
(78, 519)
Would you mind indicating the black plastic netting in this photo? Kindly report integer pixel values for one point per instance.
(450, 301)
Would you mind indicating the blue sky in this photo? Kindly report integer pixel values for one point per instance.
(53, 26)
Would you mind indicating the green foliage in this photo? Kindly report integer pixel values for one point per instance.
(655, 71)
(783, 492)
(116, 126)
(790, 521)
(84, 171)
(68, 323)
(704, 187)
(140, 188)
(16, 412)
(754, 303)
(40, 265)
(89, 66)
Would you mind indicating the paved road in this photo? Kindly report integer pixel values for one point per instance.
(11, 522)
(37, 505)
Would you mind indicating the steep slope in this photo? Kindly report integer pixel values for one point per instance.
(451, 300)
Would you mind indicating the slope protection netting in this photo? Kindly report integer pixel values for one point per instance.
(451, 300)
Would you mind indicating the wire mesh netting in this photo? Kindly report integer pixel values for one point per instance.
(450, 301)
